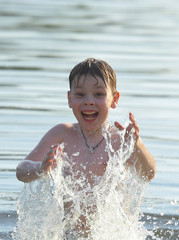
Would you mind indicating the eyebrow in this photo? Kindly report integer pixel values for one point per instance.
(97, 86)
(100, 87)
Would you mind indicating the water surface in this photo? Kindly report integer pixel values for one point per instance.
(39, 44)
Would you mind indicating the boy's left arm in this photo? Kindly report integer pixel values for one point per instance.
(144, 162)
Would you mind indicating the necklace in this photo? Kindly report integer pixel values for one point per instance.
(91, 149)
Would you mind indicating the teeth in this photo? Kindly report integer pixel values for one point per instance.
(89, 113)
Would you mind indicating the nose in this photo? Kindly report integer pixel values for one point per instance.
(89, 100)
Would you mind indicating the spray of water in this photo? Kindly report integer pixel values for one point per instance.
(64, 205)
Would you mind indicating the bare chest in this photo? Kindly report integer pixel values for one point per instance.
(84, 164)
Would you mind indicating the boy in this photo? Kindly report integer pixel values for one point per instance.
(92, 94)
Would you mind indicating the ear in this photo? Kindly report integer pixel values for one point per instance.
(69, 99)
(115, 100)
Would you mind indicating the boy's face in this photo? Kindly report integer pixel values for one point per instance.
(91, 101)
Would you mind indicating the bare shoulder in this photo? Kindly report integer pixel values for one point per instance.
(59, 132)
(56, 135)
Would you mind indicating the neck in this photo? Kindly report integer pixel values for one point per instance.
(94, 133)
(93, 136)
(93, 142)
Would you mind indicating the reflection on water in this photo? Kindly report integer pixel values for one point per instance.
(39, 44)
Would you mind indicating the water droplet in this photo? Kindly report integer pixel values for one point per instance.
(173, 202)
(150, 207)
(168, 223)
(75, 154)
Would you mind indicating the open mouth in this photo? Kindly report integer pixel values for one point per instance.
(89, 115)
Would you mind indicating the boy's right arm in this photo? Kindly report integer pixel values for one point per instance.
(41, 159)
(29, 170)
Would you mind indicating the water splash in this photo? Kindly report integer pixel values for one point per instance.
(64, 205)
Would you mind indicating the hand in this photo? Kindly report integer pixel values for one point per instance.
(50, 159)
(132, 124)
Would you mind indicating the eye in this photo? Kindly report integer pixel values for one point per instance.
(79, 94)
(100, 94)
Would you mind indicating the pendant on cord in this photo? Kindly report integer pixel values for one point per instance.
(91, 149)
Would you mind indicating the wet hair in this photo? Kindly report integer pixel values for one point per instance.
(96, 68)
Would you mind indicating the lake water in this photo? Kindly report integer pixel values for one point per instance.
(40, 41)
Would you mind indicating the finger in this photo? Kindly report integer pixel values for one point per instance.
(131, 117)
(135, 125)
(48, 160)
(56, 148)
(137, 131)
(129, 127)
(47, 163)
(119, 126)
(52, 163)
(50, 154)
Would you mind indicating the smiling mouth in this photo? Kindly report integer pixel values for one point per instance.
(89, 115)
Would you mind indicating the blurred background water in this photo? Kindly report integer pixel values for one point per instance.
(40, 42)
